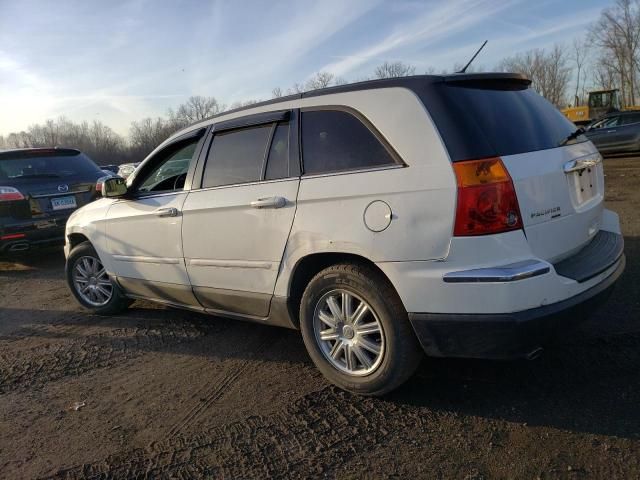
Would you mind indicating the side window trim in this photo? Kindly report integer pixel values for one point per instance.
(295, 152)
(252, 120)
(397, 159)
(295, 157)
(267, 149)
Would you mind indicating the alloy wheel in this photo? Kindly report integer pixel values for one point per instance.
(349, 332)
(91, 281)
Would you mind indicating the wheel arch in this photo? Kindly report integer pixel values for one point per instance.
(76, 239)
(310, 265)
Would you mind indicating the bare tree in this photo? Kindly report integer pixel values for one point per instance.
(245, 103)
(196, 108)
(548, 71)
(580, 53)
(276, 92)
(617, 34)
(147, 134)
(395, 69)
(296, 88)
(319, 80)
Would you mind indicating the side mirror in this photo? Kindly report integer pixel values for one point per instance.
(111, 186)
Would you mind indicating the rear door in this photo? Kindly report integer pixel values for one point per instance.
(235, 227)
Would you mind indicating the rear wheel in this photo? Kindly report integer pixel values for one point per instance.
(356, 330)
(90, 283)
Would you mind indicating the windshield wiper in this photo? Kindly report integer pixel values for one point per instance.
(572, 136)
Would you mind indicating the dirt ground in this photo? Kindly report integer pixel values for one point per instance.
(169, 393)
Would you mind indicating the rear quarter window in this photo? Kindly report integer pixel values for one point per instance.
(334, 141)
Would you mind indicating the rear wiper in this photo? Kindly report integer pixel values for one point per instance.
(572, 136)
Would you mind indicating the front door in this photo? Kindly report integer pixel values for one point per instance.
(236, 226)
(144, 230)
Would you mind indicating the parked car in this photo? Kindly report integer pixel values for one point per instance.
(460, 215)
(39, 188)
(111, 168)
(127, 169)
(617, 132)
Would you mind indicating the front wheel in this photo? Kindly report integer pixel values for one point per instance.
(90, 283)
(356, 330)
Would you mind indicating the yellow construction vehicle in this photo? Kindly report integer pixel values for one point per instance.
(600, 103)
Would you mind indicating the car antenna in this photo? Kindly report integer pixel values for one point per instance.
(473, 58)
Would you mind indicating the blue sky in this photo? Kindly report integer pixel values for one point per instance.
(122, 60)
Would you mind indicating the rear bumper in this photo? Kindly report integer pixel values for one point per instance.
(34, 233)
(508, 335)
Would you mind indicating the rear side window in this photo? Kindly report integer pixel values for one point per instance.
(236, 156)
(334, 141)
(482, 120)
(278, 160)
(630, 119)
(27, 166)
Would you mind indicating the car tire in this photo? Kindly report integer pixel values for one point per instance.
(371, 349)
(91, 288)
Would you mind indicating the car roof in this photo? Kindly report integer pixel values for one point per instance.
(408, 82)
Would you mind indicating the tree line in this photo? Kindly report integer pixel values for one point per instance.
(607, 56)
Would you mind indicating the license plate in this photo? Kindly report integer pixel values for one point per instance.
(62, 203)
(586, 184)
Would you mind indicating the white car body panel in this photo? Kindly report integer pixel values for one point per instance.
(140, 244)
(557, 222)
(230, 245)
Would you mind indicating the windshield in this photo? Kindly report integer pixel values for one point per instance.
(58, 166)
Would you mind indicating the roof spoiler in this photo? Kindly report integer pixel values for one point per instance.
(39, 152)
(500, 81)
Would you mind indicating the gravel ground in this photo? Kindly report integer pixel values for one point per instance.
(168, 393)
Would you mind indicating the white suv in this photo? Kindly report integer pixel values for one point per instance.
(456, 215)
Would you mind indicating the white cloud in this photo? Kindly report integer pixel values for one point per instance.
(436, 23)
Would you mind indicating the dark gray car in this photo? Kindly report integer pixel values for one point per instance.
(616, 132)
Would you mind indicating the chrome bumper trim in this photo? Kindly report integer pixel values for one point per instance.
(506, 273)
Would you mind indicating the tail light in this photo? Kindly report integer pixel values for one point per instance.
(487, 201)
(8, 194)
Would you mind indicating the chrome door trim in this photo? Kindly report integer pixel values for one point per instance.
(582, 163)
(202, 262)
(506, 273)
(143, 259)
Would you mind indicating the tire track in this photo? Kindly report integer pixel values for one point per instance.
(314, 431)
(216, 391)
(69, 354)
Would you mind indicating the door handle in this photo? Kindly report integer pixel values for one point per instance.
(270, 202)
(167, 212)
(611, 131)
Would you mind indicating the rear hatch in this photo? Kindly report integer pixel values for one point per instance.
(559, 183)
(51, 182)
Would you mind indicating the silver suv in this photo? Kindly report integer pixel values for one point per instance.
(455, 215)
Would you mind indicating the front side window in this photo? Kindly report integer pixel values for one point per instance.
(334, 141)
(169, 173)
